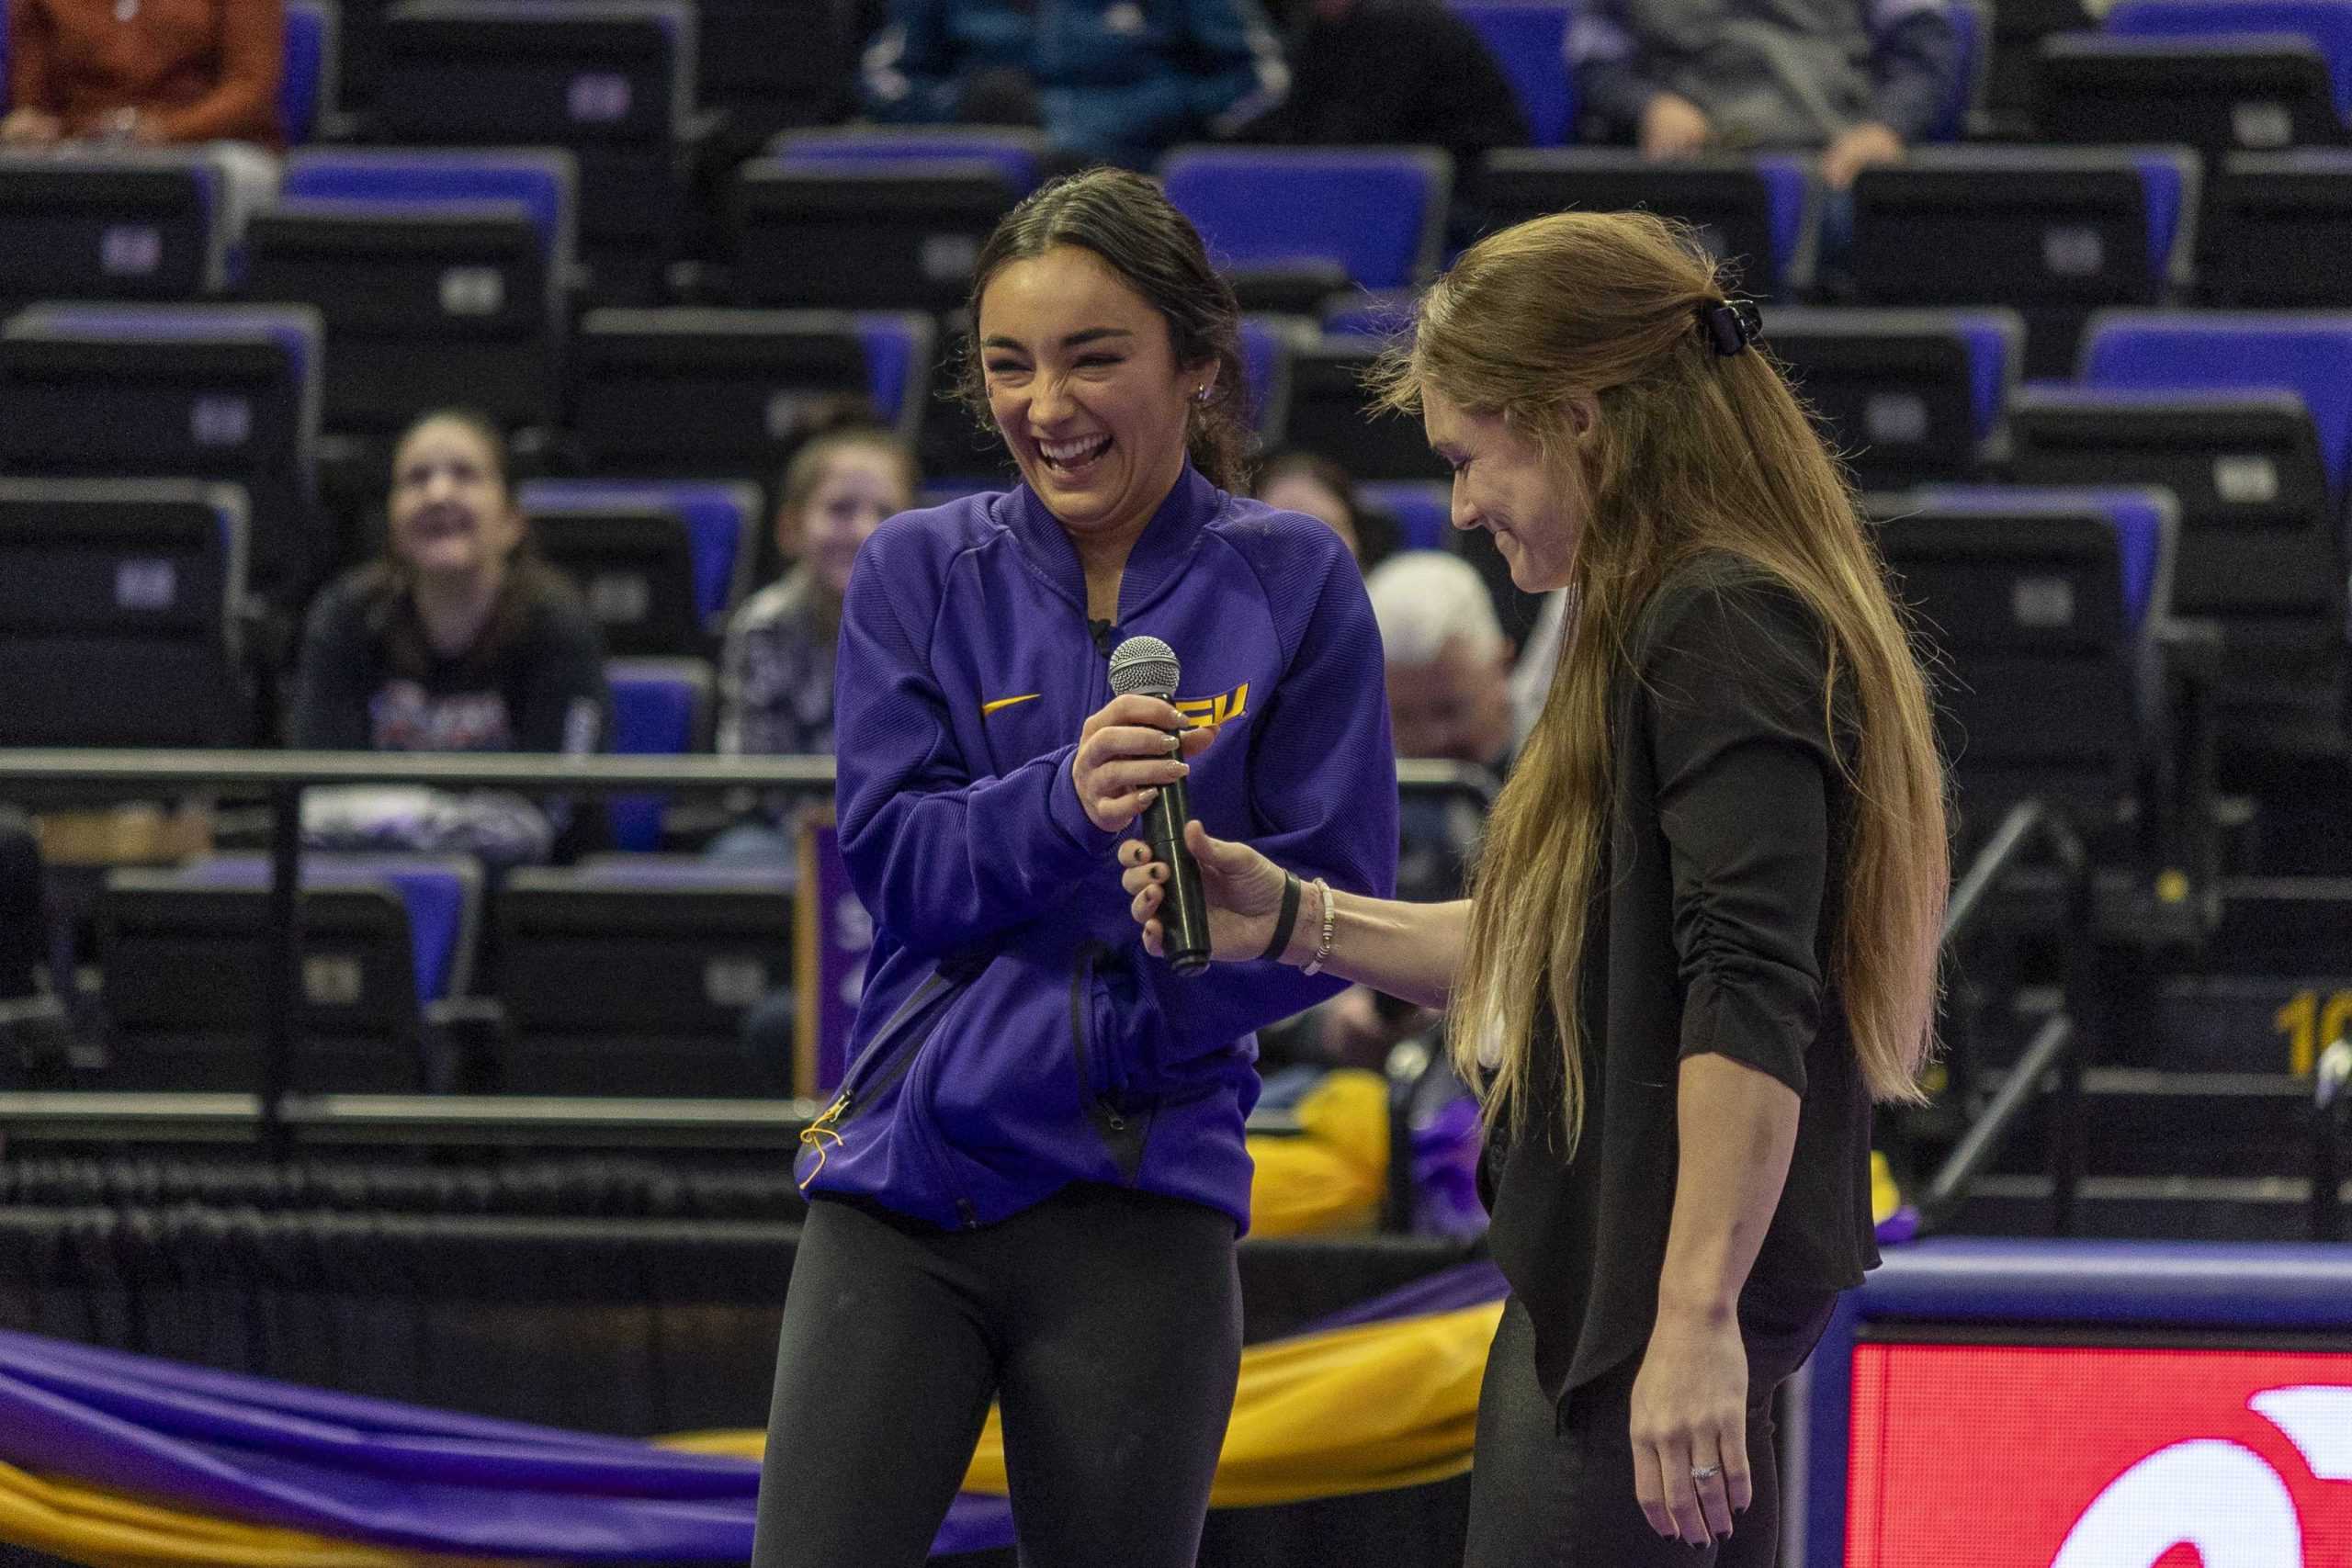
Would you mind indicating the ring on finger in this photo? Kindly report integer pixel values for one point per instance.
(1705, 1472)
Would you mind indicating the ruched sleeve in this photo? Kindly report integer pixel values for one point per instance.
(1735, 682)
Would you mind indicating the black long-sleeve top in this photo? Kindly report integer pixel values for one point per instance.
(1711, 932)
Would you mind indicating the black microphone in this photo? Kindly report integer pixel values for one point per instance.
(1144, 666)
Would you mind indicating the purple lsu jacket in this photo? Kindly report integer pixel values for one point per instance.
(1014, 1036)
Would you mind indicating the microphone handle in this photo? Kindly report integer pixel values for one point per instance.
(1184, 913)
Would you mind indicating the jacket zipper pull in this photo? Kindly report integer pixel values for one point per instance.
(820, 1136)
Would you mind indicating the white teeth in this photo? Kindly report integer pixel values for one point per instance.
(1072, 451)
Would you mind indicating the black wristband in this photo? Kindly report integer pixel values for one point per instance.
(1286, 921)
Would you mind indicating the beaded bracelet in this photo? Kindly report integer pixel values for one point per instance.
(1322, 953)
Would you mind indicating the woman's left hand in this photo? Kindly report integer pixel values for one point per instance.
(1689, 1407)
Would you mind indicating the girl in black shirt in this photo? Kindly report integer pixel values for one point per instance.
(457, 639)
(1701, 936)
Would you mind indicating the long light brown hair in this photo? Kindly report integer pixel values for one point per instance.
(1692, 452)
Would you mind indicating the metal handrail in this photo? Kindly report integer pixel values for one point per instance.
(2331, 1138)
(2055, 1050)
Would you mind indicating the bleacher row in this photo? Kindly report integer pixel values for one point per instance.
(627, 974)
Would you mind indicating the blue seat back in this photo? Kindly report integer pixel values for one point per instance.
(1265, 365)
(442, 895)
(1015, 155)
(1529, 39)
(1376, 212)
(1423, 510)
(2052, 678)
(660, 707)
(542, 184)
(2142, 521)
(2234, 350)
(899, 348)
(1971, 26)
(720, 522)
(2326, 23)
(306, 82)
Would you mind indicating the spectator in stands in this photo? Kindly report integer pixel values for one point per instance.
(1314, 484)
(1364, 73)
(1447, 663)
(1703, 936)
(1109, 81)
(1859, 79)
(150, 73)
(775, 677)
(459, 639)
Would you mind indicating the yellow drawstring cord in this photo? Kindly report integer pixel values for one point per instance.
(813, 1136)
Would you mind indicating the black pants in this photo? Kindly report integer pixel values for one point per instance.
(1108, 1324)
(1554, 1487)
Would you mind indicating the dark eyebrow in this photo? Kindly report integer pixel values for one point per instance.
(1075, 340)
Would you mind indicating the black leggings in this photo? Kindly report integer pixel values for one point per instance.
(1553, 1487)
(1108, 1324)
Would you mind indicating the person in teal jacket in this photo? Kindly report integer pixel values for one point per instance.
(1109, 81)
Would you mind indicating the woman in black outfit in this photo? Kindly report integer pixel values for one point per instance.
(1702, 938)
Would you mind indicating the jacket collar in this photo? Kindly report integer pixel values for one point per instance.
(1159, 555)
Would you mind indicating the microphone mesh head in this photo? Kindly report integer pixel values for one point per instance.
(1145, 665)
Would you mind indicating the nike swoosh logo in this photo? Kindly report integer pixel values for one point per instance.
(987, 708)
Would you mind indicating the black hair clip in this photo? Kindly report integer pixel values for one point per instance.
(1730, 324)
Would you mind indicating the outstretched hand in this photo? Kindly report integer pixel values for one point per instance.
(1242, 889)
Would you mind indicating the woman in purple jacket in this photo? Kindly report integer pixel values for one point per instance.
(1030, 1185)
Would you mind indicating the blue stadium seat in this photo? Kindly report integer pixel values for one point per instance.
(2327, 24)
(1375, 215)
(1266, 344)
(2247, 419)
(1529, 41)
(2311, 353)
(612, 80)
(874, 218)
(1423, 510)
(2275, 231)
(766, 64)
(2047, 607)
(2217, 94)
(1758, 212)
(226, 393)
(632, 975)
(1016, 157)
(1908, 396)
(116, 224)
(2051, 232)
(1326, 414)
(727, 393)
(130, 588)
(442, 276)
(306, 85)
(1972, 25)
(660, 707)
(442, 894)
(899, 348)
(184, 959)
(625, 540)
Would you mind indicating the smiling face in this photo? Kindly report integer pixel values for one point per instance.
(1502, 484)
(1082, 381)
(451, 514)
(862, 486)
